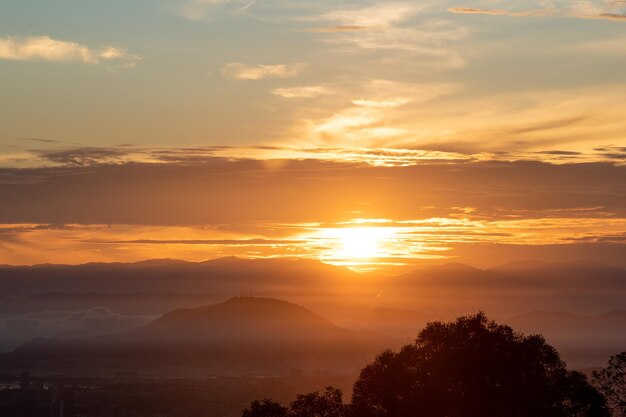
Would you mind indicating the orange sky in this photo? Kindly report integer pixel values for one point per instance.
(362, 133)
(350, 213)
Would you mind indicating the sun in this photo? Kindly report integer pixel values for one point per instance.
(360, 242)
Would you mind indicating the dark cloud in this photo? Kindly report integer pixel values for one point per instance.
(81, 156)
(29, 228)
(612, 152)
(222, 191)
(612, 16)
(614, 238)
(559, 153)
(221, 242)
(41, 140)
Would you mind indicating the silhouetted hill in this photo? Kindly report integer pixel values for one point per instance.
(243, 319)
(242, 334)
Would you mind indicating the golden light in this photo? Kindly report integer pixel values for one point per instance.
(359, 242)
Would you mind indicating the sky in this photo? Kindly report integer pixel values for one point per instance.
(360, 133)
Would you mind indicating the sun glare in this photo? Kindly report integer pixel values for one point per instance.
(360, 242)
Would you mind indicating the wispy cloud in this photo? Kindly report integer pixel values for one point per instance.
(198, 10)
(390, 26)
(44, 48)
(382, 15)
(373, 117)
(472, 10)
(584, 9)
(310, 91)
(240, 71)
(500, 12)
(338, 28)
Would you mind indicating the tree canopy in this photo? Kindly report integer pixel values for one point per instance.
(472, 367)
(327, 404)
(611, 381)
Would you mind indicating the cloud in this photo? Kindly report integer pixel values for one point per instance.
(500, 12)
(239, 71)
(259, 208)
(391, 26)
(471, 10)
(198, 10)
(584, 9)
(372, 119)
(41, 140)
(311, 91)
(44, 48)
(82, 156)
(338, 28)
(210, 242)
(381, 15)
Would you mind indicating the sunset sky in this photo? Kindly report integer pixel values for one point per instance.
(366, 134)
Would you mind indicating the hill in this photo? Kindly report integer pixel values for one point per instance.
(242, 334)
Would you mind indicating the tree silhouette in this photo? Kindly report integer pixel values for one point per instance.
(265, 408)
(474, 367)
(611, 381)
(328, 404)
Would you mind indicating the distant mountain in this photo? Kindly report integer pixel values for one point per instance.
(569, 330)
(220, 276)
(453, 274)
(242, 334)
(580, 272)
(583, 286)
(157, 286)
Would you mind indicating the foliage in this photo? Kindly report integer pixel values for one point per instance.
(611, 381)
(265, 408)
(328, 404)
(472, 367)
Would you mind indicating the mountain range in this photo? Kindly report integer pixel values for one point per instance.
(157, 286)
(98, 300)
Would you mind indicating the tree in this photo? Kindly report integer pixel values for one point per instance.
(611, 381)
(265, 408)
(474, 367)
(328, 404)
